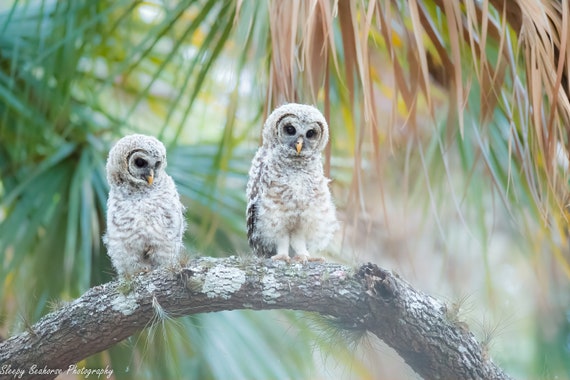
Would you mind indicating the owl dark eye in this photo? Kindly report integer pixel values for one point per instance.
(311, 133)
(157, 165)
(289, 129)
(140, 163)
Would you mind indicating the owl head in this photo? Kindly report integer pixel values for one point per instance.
(136, 160)
(296, 130)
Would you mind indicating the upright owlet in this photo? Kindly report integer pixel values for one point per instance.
(145, 221)
(289, 202)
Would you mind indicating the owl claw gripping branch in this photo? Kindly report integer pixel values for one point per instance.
(289, 202)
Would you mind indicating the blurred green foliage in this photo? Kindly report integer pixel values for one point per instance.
(77, 75)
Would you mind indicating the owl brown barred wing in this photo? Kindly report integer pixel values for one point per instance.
(253, 239)
(253, 235)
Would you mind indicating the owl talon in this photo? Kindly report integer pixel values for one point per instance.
(302, 258)
(281, 258)
(306, 258)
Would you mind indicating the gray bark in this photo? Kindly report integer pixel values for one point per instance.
(367, 298)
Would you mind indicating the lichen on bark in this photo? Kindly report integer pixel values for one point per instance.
(369, 298)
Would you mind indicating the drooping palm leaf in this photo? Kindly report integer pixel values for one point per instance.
(465, 98)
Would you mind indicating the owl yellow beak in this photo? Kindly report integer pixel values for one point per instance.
(299, 144)
(150, 177)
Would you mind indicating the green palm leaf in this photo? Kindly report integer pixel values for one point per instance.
(437, 106)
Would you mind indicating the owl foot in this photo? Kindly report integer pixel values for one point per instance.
(301, 258)
(306, 258)
(281, 257)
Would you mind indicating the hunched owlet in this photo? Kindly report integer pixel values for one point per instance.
(145, 221)
(289, 202)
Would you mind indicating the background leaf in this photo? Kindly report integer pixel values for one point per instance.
(448, 159)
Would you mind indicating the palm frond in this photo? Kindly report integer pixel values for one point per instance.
(442, 107)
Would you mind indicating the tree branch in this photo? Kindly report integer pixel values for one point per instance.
(368, 298)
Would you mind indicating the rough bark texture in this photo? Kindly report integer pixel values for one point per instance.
(414, 324)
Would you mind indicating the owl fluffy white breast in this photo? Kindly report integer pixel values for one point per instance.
(145, 222)
(289, 202)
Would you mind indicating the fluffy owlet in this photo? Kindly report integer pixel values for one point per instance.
(145, 221)
(289, 202)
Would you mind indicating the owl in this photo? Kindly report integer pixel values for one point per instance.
(289, 202)
(145, 218)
